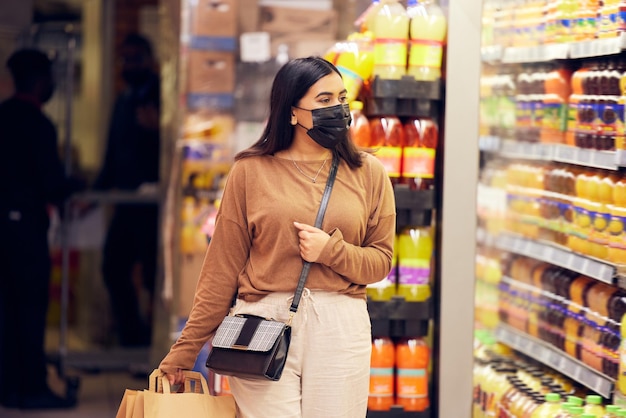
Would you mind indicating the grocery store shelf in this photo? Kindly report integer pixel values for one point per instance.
(598, 47)
(491, 53)
(557, 256)
(556, 359)
(608, 160)
(535, 53)
(580, 49)
(397, 412)
(489, 143)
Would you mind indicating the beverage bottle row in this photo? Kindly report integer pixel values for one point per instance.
(574, 313)
(407, 41)
(581, 208)
(529, 23)
(399, 374)
(411, 273)
(552, 104)
(507, 385)
(407, 148)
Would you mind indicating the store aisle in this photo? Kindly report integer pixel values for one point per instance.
(99, 396)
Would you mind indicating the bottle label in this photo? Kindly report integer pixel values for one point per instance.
(418, 162)
(381, 382)
(413, 271)
(390, 52)
(425, 54)
(391, 158)
(351, 80)
(412, 383)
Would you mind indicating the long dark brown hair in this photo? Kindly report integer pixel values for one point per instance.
(291, 83)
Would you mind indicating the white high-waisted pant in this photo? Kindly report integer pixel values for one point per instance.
(327, 370)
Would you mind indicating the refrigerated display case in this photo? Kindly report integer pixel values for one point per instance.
(550, 208)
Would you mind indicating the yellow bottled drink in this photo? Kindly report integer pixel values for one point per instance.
(415, 250)
(391, 35)
(550, 408)
(427, 35)
(593, 405)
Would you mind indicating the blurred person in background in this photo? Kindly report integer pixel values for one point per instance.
(132, 163)
(31, 178)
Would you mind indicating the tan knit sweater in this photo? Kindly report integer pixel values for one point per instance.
(254, 249)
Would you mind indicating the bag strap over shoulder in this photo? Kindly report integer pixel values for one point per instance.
(318, 224)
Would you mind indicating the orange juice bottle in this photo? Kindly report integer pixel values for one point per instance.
(557, 91)
(418, 154)
(391, 33)
(381, 375)
(388, 138)
(572, 325)
(617, 230)
(360, 130)
(428, 26)
(415, 251)
(412, 358)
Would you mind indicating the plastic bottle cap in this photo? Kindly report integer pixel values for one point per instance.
(588, 416)
(575, 400)
(576, 410)
(553, 397)
(593, 399)
(612, 408)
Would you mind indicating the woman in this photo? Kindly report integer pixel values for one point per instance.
(263, 232)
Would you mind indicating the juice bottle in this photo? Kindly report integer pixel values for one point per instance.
(418, 155)
(573, 326)
(557, 86)
(617, 232)
(360, 130)
(621, 376)
(388, 137)
(428, 26)
(385, 289)
(620, 142)
(412, 358)
(598, 301)
(391, 33)
(593, 406)
(612, 336)
(611, 411)
(576, 411)
(355, 62)
(564, 411)
(572, 110)
(365, 22)
(381, 375)
(549, 408)
(415, 251)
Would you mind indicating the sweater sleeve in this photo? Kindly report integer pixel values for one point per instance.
(371, 261)
(225, 259)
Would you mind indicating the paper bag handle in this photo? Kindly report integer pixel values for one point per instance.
(158, 383)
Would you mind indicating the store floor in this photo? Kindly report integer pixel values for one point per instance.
(100, 390)
(99, 396)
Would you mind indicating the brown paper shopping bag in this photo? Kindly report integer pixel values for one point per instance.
(131, 405)
(194, 402)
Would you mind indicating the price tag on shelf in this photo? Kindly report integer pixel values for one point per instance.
(576, 263)
(603, 159)
(538, 351)
(560, 257)
(569, 368)
(565, 153)
(620, 158)
(524, 345)
(554, 359)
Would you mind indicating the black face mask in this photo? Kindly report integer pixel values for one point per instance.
(330, 125)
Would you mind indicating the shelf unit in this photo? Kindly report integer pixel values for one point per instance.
(550, 52)
(556, 359)
(493, 146)
(396, 412)
(558, 256)
(608, 160)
